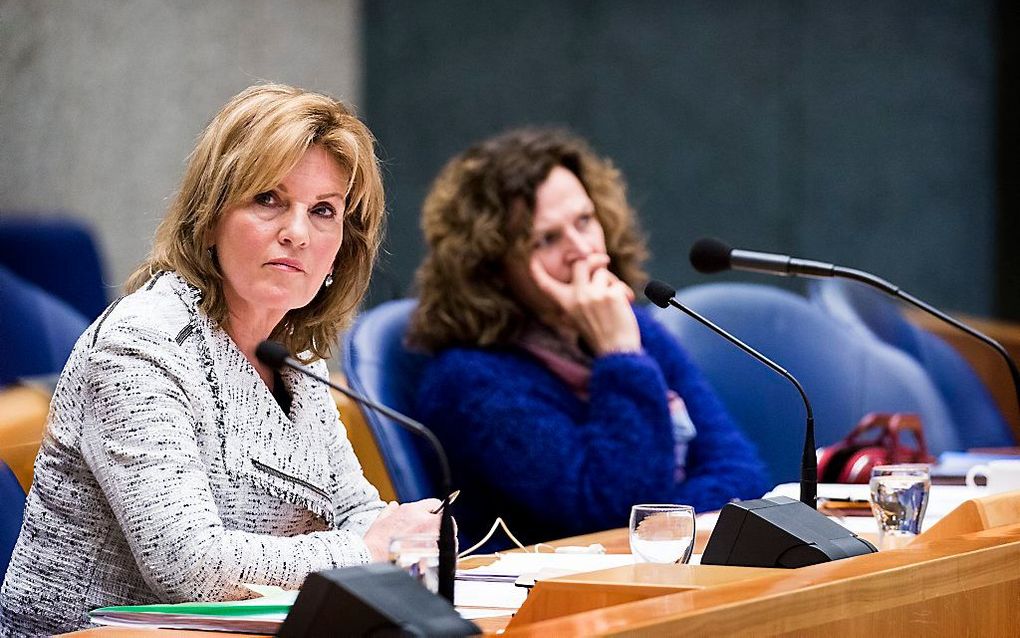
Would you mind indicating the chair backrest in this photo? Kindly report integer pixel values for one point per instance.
(871, 313)
(23, 412)
(378, 366)
(58, 253)
(37, 330)
(844, 376)
(12, 512)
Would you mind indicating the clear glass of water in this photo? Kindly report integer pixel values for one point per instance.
(418, 555)
(662, 533)
(899, 497)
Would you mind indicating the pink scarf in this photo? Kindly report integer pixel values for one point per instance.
(573, 366)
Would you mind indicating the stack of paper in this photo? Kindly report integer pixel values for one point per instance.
(956, 464)
(500, 588)
(513, 566)
(259, 615)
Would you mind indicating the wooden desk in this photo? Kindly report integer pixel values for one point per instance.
(944, 583)
(961, 577)
(491, 626)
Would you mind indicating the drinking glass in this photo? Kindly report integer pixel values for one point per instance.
(662, 533)
(418, 555)
(899, 496)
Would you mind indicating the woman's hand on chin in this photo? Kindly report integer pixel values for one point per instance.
(401, 520)
(596, 302)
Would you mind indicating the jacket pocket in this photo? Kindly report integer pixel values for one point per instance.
(280, 474)
(293, 489)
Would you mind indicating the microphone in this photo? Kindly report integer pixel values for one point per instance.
(663, 295)
(778, 531)
(711, 256)
(276, 356)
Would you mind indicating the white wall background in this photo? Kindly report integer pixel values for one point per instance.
(102, 100)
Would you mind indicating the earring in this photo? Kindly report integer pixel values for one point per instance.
(211, 251)
(328, 282)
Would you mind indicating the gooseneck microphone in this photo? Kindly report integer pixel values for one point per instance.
(276, 356)
(663, 295)
(777, 531)
(711, 256)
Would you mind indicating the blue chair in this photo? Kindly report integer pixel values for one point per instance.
(844, 376)
(58, 254)
(12, 512)
(378, 366)
(37, 330)
(874, 315)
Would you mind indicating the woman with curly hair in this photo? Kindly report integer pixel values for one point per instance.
(560, 402)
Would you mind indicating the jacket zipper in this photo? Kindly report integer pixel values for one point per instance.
(287, 477)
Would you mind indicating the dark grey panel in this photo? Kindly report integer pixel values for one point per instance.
(861, 133)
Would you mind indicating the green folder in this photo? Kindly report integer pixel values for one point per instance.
(253, 616)
(230, 608)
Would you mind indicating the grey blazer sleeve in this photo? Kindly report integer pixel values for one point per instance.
(140, 443)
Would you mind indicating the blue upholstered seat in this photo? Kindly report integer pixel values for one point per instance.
(845, 376)
(58, 254)
(378, 366)
(37, 330)
(872, 314)
(12, 510)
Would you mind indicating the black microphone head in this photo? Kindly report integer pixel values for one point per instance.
(272, 353)
(709, 255)
(659, 293)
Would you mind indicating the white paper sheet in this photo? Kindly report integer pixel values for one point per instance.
(493, 595)
(521, 563)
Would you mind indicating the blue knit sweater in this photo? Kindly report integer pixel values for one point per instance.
(524, 447)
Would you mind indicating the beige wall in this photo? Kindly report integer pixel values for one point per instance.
(101, 100)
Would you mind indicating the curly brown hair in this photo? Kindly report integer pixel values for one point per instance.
(478, 215)
(250, 146)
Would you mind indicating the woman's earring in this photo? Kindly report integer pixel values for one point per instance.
(329, 281)
(211, 251)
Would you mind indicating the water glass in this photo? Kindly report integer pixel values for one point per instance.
(662, 533)
(418, 555)
(899, 496)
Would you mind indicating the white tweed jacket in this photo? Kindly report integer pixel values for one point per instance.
(170, 473)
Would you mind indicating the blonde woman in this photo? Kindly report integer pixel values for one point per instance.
(176, 466)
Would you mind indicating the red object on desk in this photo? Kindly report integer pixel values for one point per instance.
(877, 440)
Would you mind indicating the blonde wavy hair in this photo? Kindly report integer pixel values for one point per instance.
(479, 214)
(250, 146)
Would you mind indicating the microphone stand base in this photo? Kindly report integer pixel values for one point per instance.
(779, 532)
